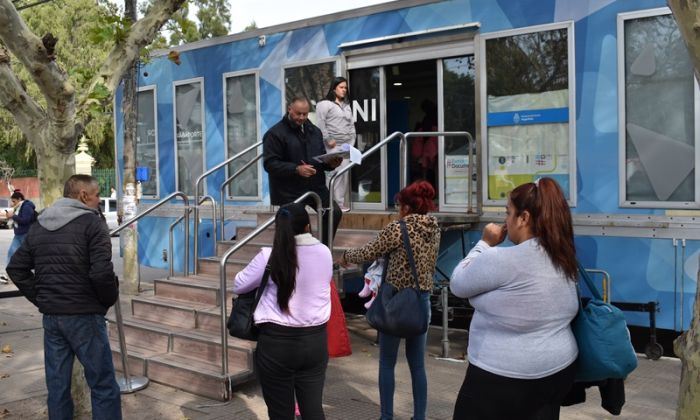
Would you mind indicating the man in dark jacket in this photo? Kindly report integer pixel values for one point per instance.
(64, 267)
(289, 148)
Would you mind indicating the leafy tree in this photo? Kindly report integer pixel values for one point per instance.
(72, 22)
(64, 105)
(213, 19)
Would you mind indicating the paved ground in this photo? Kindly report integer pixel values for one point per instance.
(351, 384)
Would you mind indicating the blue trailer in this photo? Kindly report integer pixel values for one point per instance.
(598, 94)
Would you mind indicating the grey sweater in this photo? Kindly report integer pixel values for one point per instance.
(336, 122)
(523, 310)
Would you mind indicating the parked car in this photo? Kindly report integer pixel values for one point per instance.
(5, 204)
(109, 209)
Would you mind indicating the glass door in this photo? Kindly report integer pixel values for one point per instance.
(458, 97)
(369, 179)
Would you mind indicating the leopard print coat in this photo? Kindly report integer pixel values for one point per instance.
(424, 236)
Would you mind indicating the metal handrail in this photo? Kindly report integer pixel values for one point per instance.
(471, 154)
(606, 282)
(130, 384)
(340, 172)
(171, 271)
(222, 190)
(196, 193)
(236, 247)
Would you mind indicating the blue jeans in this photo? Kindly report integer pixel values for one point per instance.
(83, 336)
(415, 355)
(14, 246)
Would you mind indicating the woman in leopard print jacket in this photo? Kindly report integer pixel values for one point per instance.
(413, 202)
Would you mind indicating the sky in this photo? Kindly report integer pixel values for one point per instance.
(273, 12)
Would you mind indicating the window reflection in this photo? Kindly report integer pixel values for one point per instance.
(458, 92)
(659, 112)
(241, 132)
(310, 81)
(146, 150)
(364, 95)
(528, 110)
(188, 130)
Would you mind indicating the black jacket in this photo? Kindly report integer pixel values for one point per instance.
(64, 265)
(285, 146)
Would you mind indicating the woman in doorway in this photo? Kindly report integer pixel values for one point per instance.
(292, 351)
(413, 204)
(334, 118)
(521, 351)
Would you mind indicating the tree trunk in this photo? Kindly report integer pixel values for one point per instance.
(130, 280)
(53, 168)
(687, 346)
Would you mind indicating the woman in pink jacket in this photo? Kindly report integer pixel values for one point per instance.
(292, 353)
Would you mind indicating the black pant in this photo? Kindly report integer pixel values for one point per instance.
(486, 396)
(292, 361)
(337, 215)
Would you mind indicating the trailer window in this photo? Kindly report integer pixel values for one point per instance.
(528, 96)
(241, 132)
(657, 114)
(189, 133)
(311, 81)
(146, 140)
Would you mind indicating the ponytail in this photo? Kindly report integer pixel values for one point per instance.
(551, 221)
(290, 220)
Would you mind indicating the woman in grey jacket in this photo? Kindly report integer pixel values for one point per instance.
(334, 118)
(521, 348)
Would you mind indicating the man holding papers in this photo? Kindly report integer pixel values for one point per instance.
(289, 148)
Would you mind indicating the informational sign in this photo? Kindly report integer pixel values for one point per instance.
(456, 179)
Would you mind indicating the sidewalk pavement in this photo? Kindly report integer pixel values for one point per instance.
(351, 382)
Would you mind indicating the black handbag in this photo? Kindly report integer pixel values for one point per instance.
(399, 312)
(241, 323)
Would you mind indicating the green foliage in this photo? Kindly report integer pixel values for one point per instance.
(75, 23)
(213, 18)
(112, 28)
(251, 26)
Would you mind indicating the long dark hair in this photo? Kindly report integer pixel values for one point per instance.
(551, 221)
(291, 219)
(331, 92)
(418, 196)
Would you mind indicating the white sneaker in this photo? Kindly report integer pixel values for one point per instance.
(4, 279)
(344, 209)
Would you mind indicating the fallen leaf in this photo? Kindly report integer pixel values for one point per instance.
(7, 348)
(4, 375)
(4, 413)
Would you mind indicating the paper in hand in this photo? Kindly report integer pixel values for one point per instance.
(343, 150)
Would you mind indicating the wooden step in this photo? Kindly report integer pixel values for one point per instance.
(207, 347)
(247, 252)
(170, 312)
(210, 266)
(193, 375)
(136, 357)
(202, 289)
(145, 336)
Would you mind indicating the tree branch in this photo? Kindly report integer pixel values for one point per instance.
(27, 112)
(49, 77)
(124, 54)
